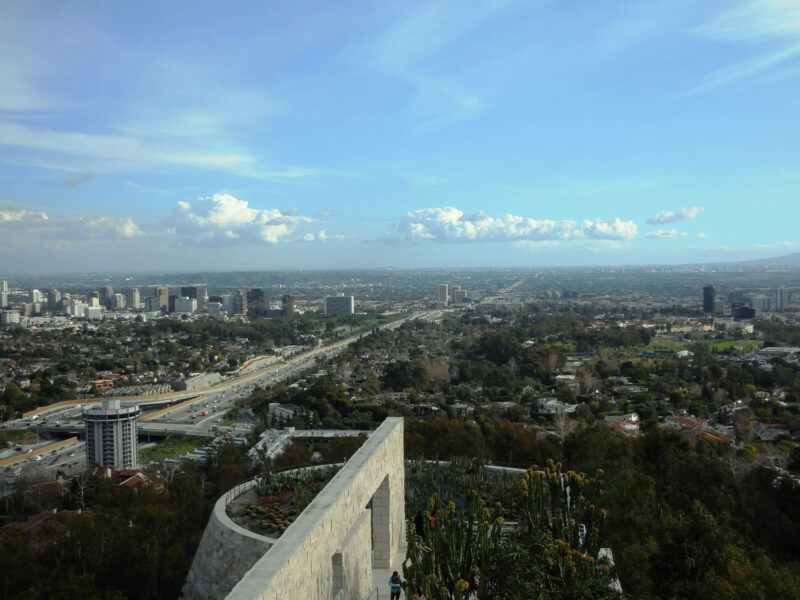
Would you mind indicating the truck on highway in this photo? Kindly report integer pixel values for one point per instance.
(205, 413)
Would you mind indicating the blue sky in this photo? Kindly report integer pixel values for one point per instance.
(254, 135)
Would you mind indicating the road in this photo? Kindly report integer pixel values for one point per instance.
(202, 418)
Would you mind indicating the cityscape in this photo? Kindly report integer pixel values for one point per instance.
(410, 301)
(145, 385)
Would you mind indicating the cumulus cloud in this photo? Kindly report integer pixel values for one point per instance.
(666, 233)
(108, 228)
(667, 216)
(224, 219)
(701, 235)
(22, 216)
(22, 226)
(449, 224)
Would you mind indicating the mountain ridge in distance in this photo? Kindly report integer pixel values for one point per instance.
(787, 260)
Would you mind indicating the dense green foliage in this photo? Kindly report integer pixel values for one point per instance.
(681, 522)
(551, 551)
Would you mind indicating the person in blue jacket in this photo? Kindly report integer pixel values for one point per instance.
(395, 585)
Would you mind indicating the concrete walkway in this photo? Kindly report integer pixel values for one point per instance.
(380, 581)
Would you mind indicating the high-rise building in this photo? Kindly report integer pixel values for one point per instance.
(240, 303)
(132, 299)
(162, 293)
(782, 298)
(3, 287)
(111, 435)
(197, 292)
(339, 305)
(3, 299)
(36, 296)
(54, 299)
(288, 305)
(459, 295)
(709, 295)
(443, 295)
(106, 293)
(257, 301)
(118, 301)
(184, 304)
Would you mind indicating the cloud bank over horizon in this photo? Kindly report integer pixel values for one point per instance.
(451, 225)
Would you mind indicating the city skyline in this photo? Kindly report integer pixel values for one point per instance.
(252, 137)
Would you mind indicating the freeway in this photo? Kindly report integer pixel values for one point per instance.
(190, 408)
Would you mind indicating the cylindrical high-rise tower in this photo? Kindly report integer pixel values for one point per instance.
(111, 435)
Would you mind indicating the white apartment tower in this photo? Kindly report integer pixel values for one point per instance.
(111, 435)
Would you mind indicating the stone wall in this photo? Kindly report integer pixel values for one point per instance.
(226, 553)
(333, 529)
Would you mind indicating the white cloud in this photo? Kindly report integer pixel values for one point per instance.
(667, 216)
(752, 23)
(308, 237)
(7, 216)
(701, 235)
(617, 229)
(26, 227)
(102, 227)
(223, 219)
(755, 20)
(666, 233)
(449, 224)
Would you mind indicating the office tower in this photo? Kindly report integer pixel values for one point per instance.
(118, 301)
(459, 295)
(708, 299)
(53, 299)
(93, 300)
(198, 292)
(240, 303)
(132, 299)
(111, 435)
(3, 299)
(214, 308)
(443, 295)
(257, 301)
(3, 287)
(36, 296)
(162, 293)
(339, 305)
(782, 296)
(106, 293)
(184, 304)
(288, 305)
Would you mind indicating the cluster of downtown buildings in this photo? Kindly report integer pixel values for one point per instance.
(742, 304)
(195, 299)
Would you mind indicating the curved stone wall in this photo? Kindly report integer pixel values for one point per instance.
(226, 552)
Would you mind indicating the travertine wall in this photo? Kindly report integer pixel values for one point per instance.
(355, 553)
(226, 553)
(301, 562)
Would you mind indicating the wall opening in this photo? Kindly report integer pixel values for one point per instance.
(338, 576)
(381, 526)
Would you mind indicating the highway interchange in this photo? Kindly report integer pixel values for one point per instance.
(186, 417)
